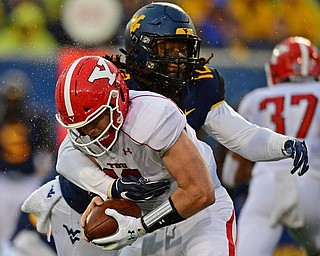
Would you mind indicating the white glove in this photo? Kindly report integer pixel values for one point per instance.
(129, 229)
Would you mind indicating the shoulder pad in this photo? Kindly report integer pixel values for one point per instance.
(206, 90)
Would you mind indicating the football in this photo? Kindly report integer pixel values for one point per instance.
(100, 225)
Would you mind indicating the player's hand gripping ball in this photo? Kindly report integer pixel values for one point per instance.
(100, 225)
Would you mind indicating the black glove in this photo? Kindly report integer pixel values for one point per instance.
(298, 151)
(138, 189)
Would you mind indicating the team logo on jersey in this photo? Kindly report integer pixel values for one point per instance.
(132, 234)
(51, 192)
(187, 112)
(73, 235)
(127, 151)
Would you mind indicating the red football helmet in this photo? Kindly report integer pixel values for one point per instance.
(88, 87)
(293, 59)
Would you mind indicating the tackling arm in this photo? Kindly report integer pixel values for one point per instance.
(80, 170)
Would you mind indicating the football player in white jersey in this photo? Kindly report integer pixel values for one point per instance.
(276, 199)
(145, 135)
(153, 143)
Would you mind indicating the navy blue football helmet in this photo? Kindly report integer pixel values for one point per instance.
(162, 23)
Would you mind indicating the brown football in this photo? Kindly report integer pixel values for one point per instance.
(100, 225)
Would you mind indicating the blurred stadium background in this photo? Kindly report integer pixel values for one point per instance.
(41, 37)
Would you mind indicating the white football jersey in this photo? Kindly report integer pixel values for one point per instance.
(292, 109)
(152, 125)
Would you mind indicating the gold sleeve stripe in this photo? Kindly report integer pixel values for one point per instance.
(206, 73)
(206, 70)
(217, 104)
(125, 75)
(203, 76)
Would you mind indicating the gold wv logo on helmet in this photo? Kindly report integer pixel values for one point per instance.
(135, 23)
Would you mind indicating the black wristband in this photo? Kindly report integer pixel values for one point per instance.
(166, 214)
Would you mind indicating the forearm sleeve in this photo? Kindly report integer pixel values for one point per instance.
(164, 215)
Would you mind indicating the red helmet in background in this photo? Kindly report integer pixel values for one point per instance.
(293, 59)
(87, 88)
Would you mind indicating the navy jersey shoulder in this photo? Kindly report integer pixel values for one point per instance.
(203, 92)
